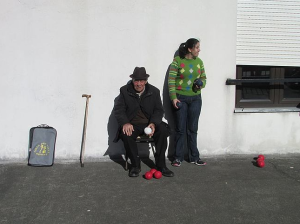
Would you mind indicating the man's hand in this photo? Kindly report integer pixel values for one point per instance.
(128, 129)
(152, 126)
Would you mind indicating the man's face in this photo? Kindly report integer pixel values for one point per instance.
(195, 50)
(139, 85)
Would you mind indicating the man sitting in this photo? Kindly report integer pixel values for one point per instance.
(139, 106)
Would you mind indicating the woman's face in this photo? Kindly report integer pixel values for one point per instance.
(195, 50)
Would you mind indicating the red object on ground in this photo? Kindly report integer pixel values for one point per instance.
(261, 157)
(260, 163)
(148, 175)
(152, 171)
(157, 175)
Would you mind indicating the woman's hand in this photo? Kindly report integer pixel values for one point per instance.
(175, 101)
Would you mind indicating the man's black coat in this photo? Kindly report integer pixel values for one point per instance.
(128, 103)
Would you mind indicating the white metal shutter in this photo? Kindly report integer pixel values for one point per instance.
(268, 32)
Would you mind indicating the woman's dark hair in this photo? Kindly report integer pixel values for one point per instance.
(183, 48)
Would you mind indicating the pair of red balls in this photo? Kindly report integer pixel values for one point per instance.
(260, 161)
(153, 173)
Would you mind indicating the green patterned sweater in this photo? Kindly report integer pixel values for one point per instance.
(182, 74)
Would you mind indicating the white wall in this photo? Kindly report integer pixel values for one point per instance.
(54, 51)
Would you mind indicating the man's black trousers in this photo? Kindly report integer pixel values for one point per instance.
(160, 138)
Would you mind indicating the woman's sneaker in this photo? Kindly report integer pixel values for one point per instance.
(199, 162)
(176, 163)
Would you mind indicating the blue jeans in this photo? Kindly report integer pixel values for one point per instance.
(187, 118)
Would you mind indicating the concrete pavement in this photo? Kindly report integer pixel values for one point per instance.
(230, 189)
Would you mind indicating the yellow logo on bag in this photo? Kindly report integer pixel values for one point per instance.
(42, 149)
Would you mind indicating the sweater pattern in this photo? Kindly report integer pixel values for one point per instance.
(182, 74)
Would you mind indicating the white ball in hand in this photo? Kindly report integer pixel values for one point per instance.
(148, 130)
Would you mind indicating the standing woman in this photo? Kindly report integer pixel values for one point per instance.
(186, 80)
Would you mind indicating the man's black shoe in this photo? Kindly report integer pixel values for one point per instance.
(166, 172)
(134, 172)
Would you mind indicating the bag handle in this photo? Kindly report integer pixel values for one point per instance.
(43, 126)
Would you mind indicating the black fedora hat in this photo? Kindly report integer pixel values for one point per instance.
(139, 74)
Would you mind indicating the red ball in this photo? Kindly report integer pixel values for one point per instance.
(148, 175)
(157, 175)
(261, 157)
(260, 163)
(152, 171)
